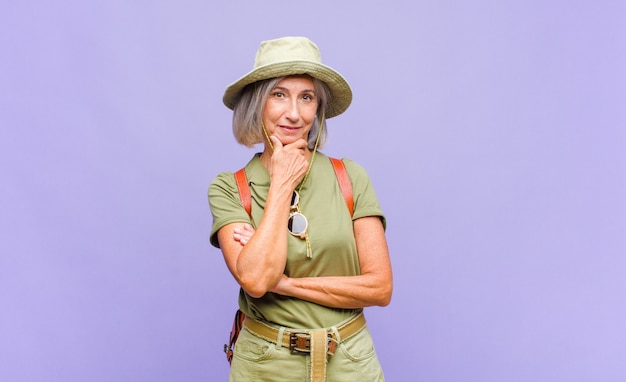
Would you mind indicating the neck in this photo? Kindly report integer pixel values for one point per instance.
(266, 157)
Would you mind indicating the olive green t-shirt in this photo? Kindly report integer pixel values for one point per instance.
(330, 232)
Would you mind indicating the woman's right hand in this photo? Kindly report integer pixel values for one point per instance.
(289, 163)
(257, 258)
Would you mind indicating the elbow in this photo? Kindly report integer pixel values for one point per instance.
(255, 293)
(254, 284)
(385, 295)
(256, 287)
(253, 288)
(385, 301)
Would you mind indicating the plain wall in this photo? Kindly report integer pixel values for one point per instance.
(494, 133)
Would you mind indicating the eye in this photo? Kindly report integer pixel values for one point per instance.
(308, 97)
(278, 94)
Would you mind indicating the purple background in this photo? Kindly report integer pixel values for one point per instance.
(494, 132)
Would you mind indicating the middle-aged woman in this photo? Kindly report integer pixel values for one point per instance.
(306, 262)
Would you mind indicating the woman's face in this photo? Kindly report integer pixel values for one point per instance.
(290, 109)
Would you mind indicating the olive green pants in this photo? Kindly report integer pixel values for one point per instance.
(258, 360)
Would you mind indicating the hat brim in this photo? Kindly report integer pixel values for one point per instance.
(340, 92)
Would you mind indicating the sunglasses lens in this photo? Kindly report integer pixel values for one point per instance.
(295, 198)
(297, 224)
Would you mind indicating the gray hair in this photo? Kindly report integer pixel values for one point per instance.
(248, 112)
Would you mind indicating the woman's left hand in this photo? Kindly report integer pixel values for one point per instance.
(243, 234)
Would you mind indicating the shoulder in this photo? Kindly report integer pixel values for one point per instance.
(353, 167)
(356, 172)
(365, 198)
(224, 182)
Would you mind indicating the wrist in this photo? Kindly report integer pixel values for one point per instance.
(282, 286)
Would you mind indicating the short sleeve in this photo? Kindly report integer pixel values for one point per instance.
(225, 204)
(365, 198)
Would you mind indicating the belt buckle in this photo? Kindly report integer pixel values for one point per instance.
(299, 343)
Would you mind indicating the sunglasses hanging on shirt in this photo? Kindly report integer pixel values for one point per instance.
(298, 223)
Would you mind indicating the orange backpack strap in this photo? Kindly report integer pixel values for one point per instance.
(344, 182)
(244, 191)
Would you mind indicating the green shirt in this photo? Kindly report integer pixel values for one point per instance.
(330, 233)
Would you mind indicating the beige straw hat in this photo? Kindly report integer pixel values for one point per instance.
(289, 56)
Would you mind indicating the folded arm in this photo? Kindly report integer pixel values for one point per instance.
(373, 286)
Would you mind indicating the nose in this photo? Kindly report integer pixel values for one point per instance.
(293, 111)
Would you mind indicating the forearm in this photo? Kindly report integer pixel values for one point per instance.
(339, 291)
(260, 264)
(262, 260)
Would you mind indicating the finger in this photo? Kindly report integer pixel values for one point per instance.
(248, 228)
(300, 144)
(242, 239)
(276, 142)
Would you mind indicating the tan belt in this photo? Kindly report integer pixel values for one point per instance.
(316, 342)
